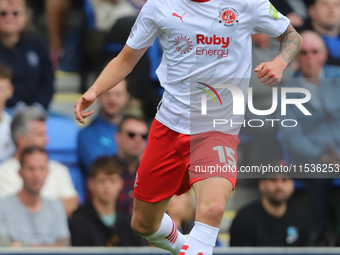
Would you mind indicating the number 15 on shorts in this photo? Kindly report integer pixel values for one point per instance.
(224, 153)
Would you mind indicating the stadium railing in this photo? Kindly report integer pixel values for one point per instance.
(156, 251)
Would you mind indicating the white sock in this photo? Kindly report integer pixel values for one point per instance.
(167, 236)
(201, 240)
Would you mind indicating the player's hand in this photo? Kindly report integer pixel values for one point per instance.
(270, 73)
(82, 104)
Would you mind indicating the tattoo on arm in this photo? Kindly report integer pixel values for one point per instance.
(290, 44)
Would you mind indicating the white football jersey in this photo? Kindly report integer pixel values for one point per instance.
(204, 42)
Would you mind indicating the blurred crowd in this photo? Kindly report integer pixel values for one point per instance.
(61, 185)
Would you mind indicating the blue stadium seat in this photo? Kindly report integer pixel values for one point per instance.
(62, 147)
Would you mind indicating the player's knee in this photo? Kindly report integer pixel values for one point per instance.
(213, 212)
(141, 228)
(137, 227)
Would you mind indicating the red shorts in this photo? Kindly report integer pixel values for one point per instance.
(172, 161)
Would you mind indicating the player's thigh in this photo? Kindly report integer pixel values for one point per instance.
(212, 190)
(163, 169)
(213, 172)
(212, 195)
(213, 154)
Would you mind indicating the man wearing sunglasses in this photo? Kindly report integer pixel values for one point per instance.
(9, 13)
(131, 140)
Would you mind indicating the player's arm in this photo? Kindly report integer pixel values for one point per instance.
(290, 44)
(114, 72)
(270, 73)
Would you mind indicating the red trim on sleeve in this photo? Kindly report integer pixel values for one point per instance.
(200, 1)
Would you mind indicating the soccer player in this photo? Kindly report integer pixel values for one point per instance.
(201, 39)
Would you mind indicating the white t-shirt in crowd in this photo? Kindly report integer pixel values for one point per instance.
(203, 41)
(7, 147)
(58, 184)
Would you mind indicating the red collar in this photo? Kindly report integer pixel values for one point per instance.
(200, 1)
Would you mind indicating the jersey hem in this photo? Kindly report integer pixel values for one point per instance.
(283, 27)
(148, 199)
(187, 132)
(181, 131)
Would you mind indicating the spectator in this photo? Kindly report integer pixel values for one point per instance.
(271, 221)
(97, 223)
(284, 7)
(263, 146)
(315, 135)
(105, 14)
(316, 138)
(7, 147)
(131, 140)
(27, 54)
(27, 219)
(324, 18)
(108, 25)
(28, 128)
(97, 139)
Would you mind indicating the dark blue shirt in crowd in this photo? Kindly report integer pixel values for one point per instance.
(333, 45)
(125, 198)
(96, 140)
(33, 77)
(254, 226)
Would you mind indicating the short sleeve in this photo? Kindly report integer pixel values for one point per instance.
(268, 20)
(145, 30)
